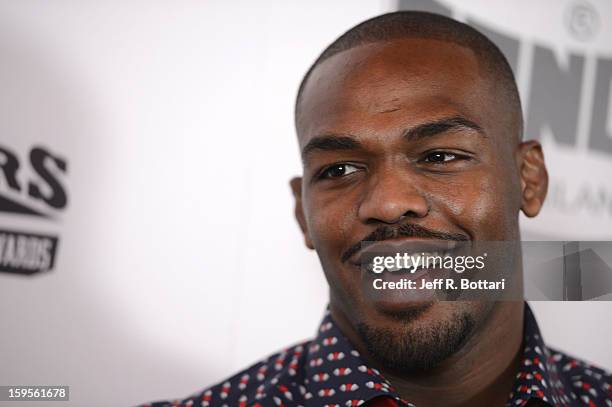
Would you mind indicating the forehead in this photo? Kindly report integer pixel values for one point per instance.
(401, 82)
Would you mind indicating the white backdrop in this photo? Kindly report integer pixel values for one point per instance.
(178, 241)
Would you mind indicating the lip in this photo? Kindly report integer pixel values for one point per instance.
(403, 274)
(403, 245)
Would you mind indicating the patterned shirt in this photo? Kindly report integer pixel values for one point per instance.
(328, 371)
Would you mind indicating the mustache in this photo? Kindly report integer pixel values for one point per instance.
(404, 230)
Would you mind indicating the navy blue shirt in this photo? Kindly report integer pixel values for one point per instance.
(328, 371)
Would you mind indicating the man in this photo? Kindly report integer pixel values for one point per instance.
(410, 129)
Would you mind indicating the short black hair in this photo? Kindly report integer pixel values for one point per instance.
(420, 24)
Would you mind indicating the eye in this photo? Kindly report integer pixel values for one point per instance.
(338, 170)
(440, 157)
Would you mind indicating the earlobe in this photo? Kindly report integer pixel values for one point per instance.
(296, 188)
(534, 178)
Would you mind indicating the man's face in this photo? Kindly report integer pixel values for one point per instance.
(405, 132)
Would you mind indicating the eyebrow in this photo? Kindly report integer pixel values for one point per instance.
(455, 123)
(330, 142)
(333, 142)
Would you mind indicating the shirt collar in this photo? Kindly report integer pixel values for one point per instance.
(330, 356)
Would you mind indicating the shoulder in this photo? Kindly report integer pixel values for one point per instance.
(580, 380)
(263, 383)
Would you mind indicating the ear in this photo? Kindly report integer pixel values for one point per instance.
(534, 177)
(296, 188)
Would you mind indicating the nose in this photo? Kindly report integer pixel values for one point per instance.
(391, 197)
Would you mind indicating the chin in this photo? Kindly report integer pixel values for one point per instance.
(420, 335)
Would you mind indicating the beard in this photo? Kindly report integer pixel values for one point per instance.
(410, 348)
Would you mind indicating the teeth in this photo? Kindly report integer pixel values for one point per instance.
(393, 268)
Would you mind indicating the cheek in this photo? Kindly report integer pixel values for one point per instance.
(330, 219)
(480, 205)
(330, 223)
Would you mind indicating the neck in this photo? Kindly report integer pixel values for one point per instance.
(482, 372)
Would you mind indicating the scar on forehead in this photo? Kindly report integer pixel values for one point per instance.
(390, 110)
